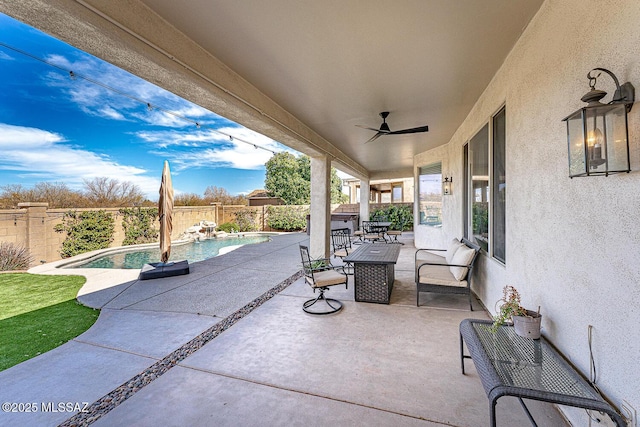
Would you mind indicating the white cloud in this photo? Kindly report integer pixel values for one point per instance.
(209, 148)
(6, 57)
(37, 153)
(128, 100)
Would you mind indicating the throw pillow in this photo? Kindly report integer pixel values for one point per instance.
(451, 250)
(463, 256)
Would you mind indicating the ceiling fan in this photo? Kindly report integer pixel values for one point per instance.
(384, 129)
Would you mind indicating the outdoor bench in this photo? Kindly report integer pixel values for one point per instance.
(449, 273)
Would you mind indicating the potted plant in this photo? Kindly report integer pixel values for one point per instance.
(525, 322)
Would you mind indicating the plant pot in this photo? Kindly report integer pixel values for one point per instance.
(528, 326)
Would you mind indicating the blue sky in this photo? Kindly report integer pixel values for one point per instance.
(57, 129)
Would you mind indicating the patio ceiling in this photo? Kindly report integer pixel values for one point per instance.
(335, 64)
(331, 64)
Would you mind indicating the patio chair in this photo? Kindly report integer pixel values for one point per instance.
(320, 275)
(359, 234)
(373, 232)
(394, 234)
(342, 246)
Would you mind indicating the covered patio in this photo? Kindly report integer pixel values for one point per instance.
(496, 74)
(370, 364)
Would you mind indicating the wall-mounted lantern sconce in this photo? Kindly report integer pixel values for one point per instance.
(598, 135)
(446, 186)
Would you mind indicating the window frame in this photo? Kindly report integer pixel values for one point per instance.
(433, 169)
(494, 182)
(468, 194)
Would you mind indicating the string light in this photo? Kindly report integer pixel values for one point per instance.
(75, 76)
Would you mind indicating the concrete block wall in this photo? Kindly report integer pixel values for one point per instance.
(13, 225)
(33, 226)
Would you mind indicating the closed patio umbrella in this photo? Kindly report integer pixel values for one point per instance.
(165, 212)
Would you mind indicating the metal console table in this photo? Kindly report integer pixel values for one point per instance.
(510, 365)
(374, 271)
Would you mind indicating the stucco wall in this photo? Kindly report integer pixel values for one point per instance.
(573, 245)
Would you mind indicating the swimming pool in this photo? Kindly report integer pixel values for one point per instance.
(193, 252)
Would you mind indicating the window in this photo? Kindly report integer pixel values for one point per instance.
(499, 187)
(485, 192)
(479, 171)
(430, 194)
(396, 190)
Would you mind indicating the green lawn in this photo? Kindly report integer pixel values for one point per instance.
(39, 313)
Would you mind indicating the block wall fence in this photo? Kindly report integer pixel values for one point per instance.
(33, 224)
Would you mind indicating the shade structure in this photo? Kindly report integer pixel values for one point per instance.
(165, 212)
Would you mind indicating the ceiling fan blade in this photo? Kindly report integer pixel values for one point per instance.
(374, 137)
(367, 127)
(412, 130)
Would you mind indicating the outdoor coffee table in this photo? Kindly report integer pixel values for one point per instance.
(510, 365)
(374, 271)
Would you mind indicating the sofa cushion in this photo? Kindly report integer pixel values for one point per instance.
(463, 256)
(439, 275)
(424, 256)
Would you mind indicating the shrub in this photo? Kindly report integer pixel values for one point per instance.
(287, 218)
(246, 220)
(400, 216)
(86, 231)
(228, 227)
(138, 225)
(14, 257)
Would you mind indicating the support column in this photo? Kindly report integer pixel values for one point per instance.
(365, 195)
(320, 209)
(36, 239)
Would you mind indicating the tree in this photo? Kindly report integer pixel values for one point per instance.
(213, 194)
(289, 178)
(56, 194)
(13, 194)
(106, 192)
(337, 196)
(284, 179)
(188, 199)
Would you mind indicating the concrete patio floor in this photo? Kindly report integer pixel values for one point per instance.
(369, 364)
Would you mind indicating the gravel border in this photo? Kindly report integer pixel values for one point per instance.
(117, 396)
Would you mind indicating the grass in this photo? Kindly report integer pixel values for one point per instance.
(39, 313)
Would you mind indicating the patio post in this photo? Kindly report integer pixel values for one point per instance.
(365, 195)
(320, 209)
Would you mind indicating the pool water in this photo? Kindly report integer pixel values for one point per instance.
(195, 251)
